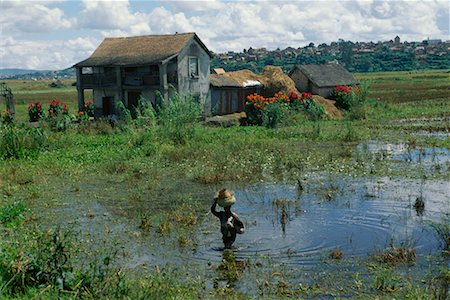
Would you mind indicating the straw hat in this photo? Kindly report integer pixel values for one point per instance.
(225, 198)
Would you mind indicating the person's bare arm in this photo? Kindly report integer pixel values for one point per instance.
(238, 222)
(213, 208)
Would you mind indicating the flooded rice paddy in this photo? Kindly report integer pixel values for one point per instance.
(289, 229)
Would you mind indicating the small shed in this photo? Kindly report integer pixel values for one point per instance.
(229, 91)
(321, 79)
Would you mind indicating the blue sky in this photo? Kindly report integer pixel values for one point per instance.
(56, 34)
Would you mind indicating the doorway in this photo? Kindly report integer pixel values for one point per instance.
(133, 101)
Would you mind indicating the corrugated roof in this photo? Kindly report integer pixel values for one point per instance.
(138, 50)
(327, 74)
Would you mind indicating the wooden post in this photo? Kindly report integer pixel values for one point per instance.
(80, 90)
(164, 86)
(119, 83)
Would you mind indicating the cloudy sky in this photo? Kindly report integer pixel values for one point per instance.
(57, 34)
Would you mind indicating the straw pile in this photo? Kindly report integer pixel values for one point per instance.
(331, 112)
(274, 80)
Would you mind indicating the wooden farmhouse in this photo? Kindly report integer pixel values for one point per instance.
(320, 79)
(128, 68)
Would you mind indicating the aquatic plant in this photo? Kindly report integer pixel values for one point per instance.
(442, 230)
(395, 255)
(336, 254)
(419, 205)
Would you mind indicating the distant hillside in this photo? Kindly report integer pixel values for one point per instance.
(13, 72)
(35, 74)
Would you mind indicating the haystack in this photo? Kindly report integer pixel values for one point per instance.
(331, 112)
(274, 80)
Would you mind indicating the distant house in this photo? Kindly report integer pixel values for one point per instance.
(229, 91)
(320, 79)
(127, 68)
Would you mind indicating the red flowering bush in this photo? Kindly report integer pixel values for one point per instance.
(266, 111)
(56, 108)
(83, 116)
(343, 95)
(35, 112)
(354, 99)
(89, 108)
(269, 111)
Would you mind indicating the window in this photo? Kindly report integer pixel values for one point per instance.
(87, 70)
(193, 67)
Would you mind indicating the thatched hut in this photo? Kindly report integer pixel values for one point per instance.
(320, 79)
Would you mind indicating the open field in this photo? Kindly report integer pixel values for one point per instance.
(101, 212)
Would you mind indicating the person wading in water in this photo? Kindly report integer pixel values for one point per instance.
(230, 224)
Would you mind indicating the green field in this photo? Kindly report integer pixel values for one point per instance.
(90, 211)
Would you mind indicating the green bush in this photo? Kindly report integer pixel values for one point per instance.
(178, 119)
(353, 99)
(19, 142)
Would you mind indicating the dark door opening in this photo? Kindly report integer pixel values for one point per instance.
(133, 100)
(107, 104)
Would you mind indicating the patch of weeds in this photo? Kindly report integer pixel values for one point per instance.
(164, 227)
(419, 205)
(98, 127)
(440, 285)
(182, 241)
(20, 142)
(386, 280)
(396, 255)
(351, 134)
(336, 254)
(231, 269)
(146, 223)
(442, 231)
(13, 213)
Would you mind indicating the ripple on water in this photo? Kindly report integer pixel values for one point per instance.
(351, 221)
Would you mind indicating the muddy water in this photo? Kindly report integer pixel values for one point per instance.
(285, 227)
(360, 217)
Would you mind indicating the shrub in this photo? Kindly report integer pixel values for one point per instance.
(35, 112)
(145, 114)
(89, 109)
(267, 111)
(305, 102)
(178, 118)
(272, 111)
(19, 142)
(353, 99)
(7, 117)
(56, 108)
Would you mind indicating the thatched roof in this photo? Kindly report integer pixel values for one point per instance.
(326, 75)
(243, 78)
(137, 50)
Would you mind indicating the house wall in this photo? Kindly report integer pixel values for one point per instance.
(197, 87)
(228, 100)
(97, 97)
(302, 82)
(322, 91)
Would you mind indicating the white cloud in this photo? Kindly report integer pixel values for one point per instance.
(31, 17)
(44, 54)
(111, 16)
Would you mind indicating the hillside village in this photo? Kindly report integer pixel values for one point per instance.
(393, 55)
